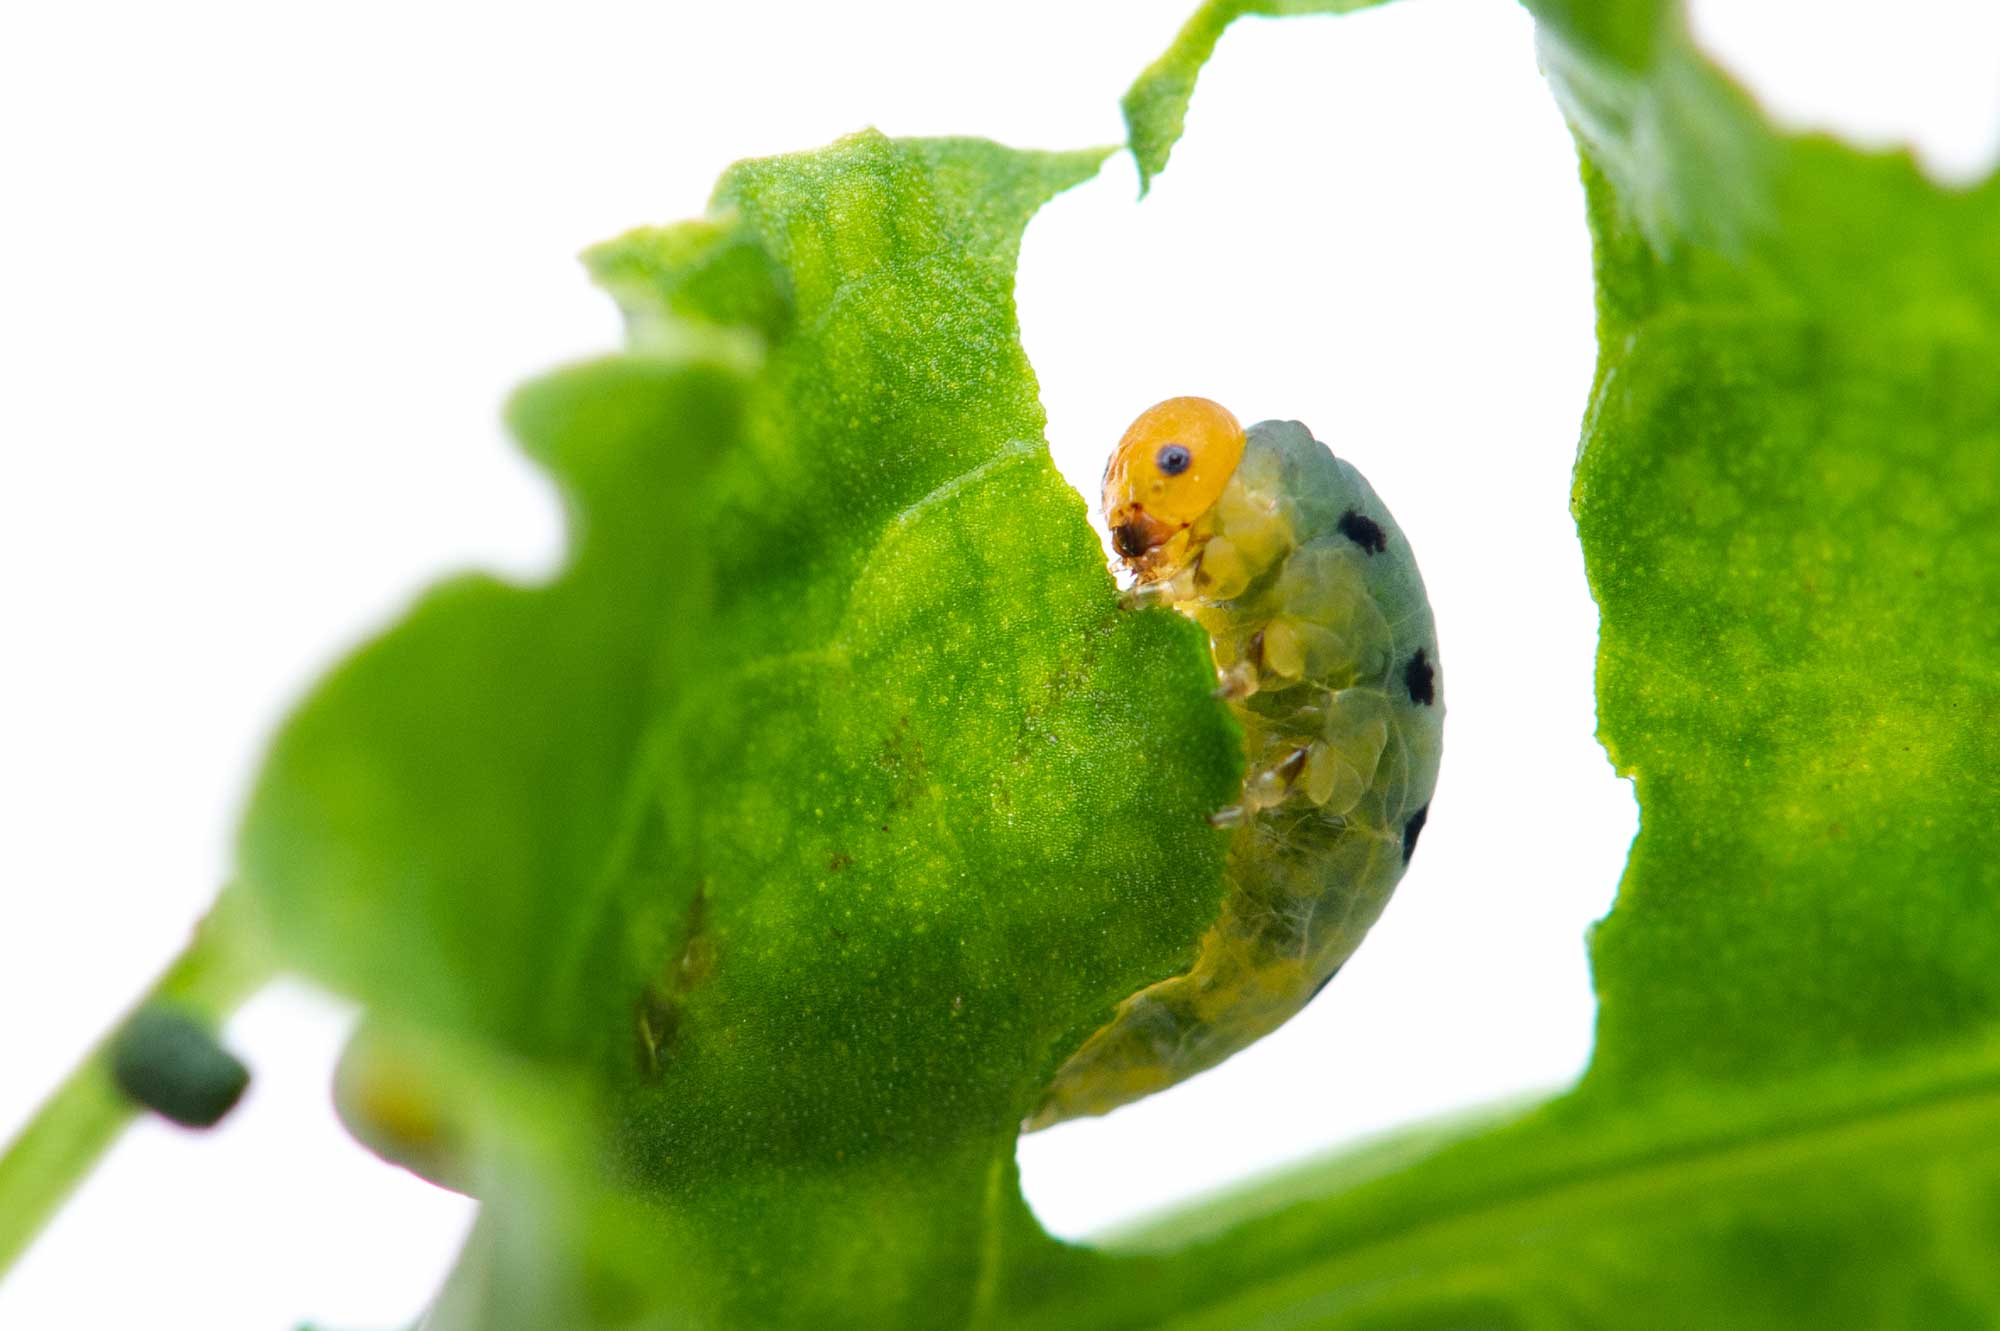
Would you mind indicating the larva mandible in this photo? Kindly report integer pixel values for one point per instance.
(1325, 649)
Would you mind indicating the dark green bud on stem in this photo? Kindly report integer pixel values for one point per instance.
(171, 1063)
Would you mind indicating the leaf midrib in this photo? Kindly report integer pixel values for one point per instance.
(1944, 1109)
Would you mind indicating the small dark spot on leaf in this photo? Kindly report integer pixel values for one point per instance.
(656, 1013)
(1411, 829)
(654, 1018)
(1363, 532)
(841, 860)
(1420, 678)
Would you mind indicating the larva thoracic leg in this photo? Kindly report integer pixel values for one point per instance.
(1326, 652)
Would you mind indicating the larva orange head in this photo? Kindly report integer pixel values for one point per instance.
(1165, 475)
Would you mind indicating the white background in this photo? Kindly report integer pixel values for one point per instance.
(266, 272)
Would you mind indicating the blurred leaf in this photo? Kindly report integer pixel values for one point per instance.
(780, 847)
(1789, 500)
(1156, 104)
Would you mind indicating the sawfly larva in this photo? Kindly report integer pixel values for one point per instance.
(1325, 650)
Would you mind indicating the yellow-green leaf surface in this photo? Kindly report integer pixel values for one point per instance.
(753, 875)
(1789, 500)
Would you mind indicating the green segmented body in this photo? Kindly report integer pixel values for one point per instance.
(1323, 639)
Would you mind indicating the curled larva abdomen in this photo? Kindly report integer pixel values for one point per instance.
(1325, 648)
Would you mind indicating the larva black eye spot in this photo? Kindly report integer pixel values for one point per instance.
(1363, 532)
(1411, 830)
(1420, 678)
(1173, 459)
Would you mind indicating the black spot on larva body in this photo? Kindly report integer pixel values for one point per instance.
(170, 1063)
(1363, 532)
(1411, 829)
(1420, 678)
(1323, 984)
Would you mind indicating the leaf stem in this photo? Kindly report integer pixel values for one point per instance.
(223, 963)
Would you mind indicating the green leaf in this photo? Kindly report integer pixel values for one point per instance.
(1790, 509)
(443, 828)
(1157, 102)
(752, 876)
